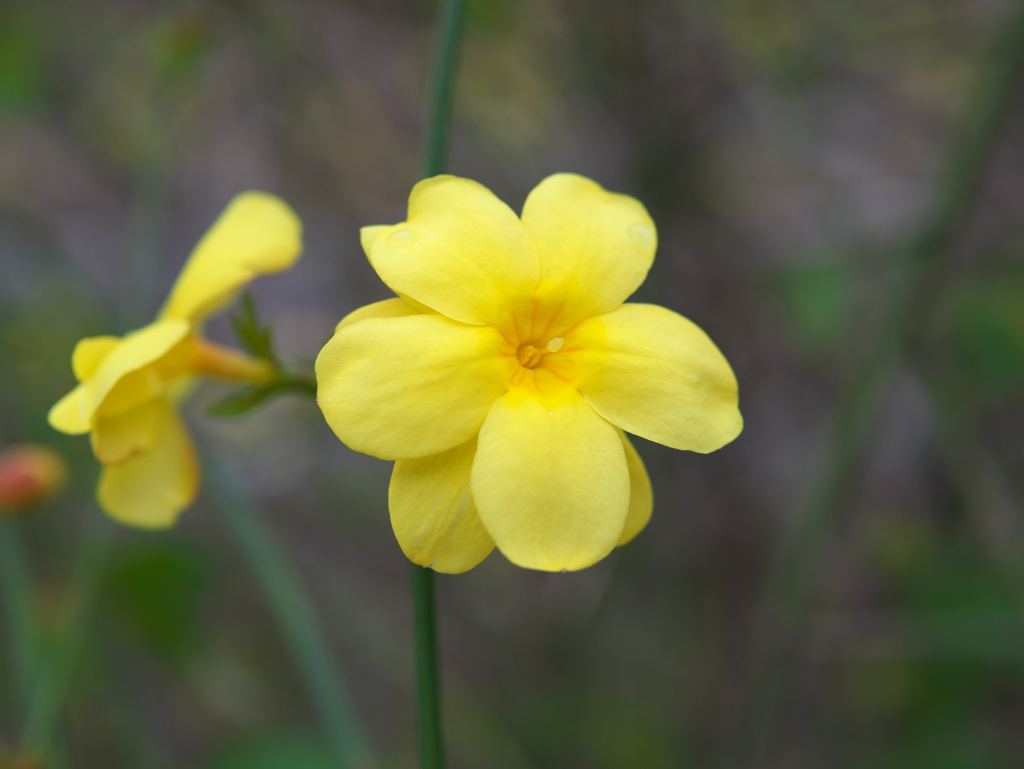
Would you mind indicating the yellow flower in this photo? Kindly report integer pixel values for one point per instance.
(503, 376)
(129, 387)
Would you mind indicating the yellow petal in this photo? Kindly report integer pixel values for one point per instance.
(401, 388)
(117, 439)
(122, 377)
(462, 252)
(595, 247)
(68, 414)
(89, 354)
(152, 489)
(550, 481)
(433, 514)
(256, 234)
(134, 389)
(369, 234)
(655, 374)
(641, 498)
(389, 308)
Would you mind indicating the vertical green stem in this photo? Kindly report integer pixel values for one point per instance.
(428, 686)
(442, 89)
(294, 614)
(21, 623)
(435, 153)
(56, 671)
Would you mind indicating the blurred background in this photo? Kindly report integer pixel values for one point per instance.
(843, 586)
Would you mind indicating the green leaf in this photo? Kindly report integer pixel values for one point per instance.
(255, 338)
(246, 400)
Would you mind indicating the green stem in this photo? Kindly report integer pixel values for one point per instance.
(21, 622)
(56, 672)
(920, 267)
(294, 614)
(442, 90)
(435, 154)
(427, 683)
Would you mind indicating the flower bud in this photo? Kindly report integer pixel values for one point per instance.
(29, 474)
(9, 760)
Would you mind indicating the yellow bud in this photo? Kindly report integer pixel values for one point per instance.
(29, 474)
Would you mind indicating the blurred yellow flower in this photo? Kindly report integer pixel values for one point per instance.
(29, 474)
(129, 387)
(503, 375)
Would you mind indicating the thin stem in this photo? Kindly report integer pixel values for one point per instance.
(57, 668)
(21, 622)
(442, 90)
(435, 154)
(427, 681)
(920, 267)
(294, 614)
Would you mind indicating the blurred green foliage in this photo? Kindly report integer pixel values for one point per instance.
(986, 316)
(157, 590)
(274, 751)
(819, 299)
(24, 75)
(958, 611)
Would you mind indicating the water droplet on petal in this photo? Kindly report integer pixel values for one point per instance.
(403, 238)
(642, 236)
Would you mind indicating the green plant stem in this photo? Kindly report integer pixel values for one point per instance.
(920, 268)
(294, 614)
(435, 154)
(56, 670)
(442, 89)
(22, 632)
(427, 684)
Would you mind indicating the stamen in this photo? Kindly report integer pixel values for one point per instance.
(529, 356)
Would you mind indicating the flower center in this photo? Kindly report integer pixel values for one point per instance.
(529, 355)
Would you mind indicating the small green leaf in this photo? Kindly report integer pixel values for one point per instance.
(256, 339)
(246, 400)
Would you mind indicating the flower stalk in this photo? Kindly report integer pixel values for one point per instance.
(56, 670)
(435, 154)
(442, 89)
(428, 700)
(294, 615)
(21, 622)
